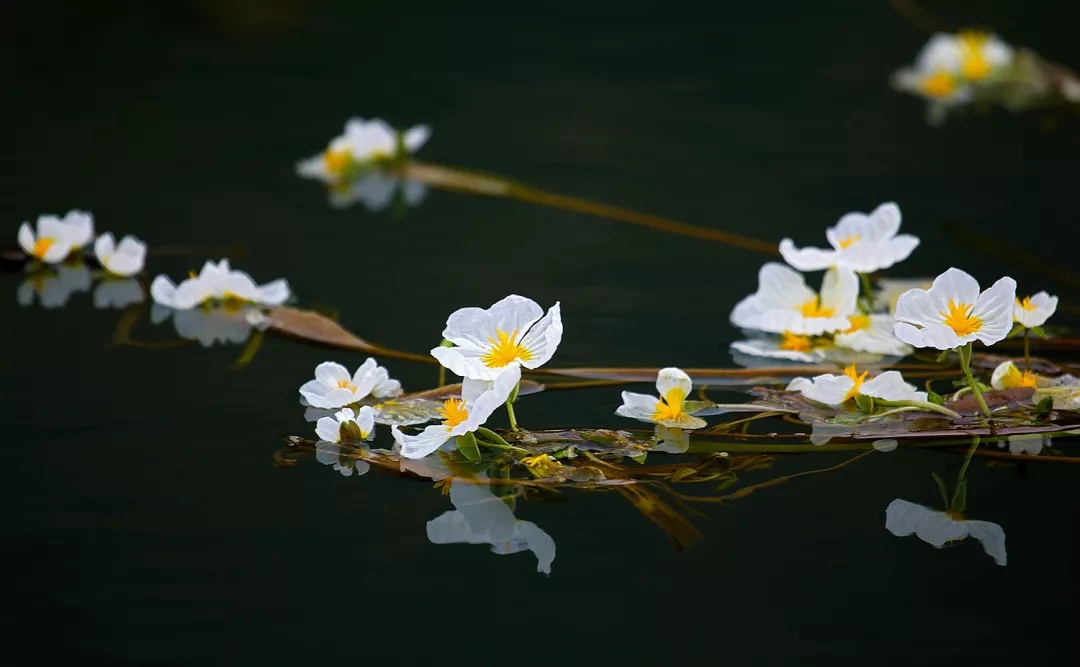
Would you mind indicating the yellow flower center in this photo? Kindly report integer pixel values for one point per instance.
(857, 323)
(974, 65)
(813, 308)
(1026, 304)
(938, 84)
(955, 515)
(506, 350)
(453, 412)
(795, 342)
(960, 320)
(670, 407)
(848, 240)
(346, 384)
(857, 379)
(1014, 378)
(42, 245)
(337, 161)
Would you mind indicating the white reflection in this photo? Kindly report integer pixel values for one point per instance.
(343, 458)
(376, 191)
(118, 293)
(903, 518)
(671, 440)
(53, 286)
(482, 518)
(1031, 444)
(209, 325)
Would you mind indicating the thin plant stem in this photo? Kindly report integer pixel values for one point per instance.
(442, 376)
(967, 459)
(868, 291)
(492, 435)
(1027, 349)
(965, 366)
(495, 445)
(511, 416)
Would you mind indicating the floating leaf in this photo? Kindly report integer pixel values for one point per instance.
(993, 398)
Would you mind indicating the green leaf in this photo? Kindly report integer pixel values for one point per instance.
(1038, 331)
(959, 499)
(1044, 407)
(640, 457)
(1016, 330)
(727, 481)
(466, 444)
(943, 356)
(682, 473)
(935, 398)
(941, 488)
(865, 403)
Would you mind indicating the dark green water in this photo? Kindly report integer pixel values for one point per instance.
(143, 519)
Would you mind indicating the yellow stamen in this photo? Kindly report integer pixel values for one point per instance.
(337, 161)
(795, 342)
(1026, 304)
(857, 378)
(960, 320)
(346, 384)
(857, 323)
(453, 412)
(670, 407)
(506, 350)
(974, 65)
(938, 84)
(813, 308)
(1014, 378)
(955, 515)
(848, 240)
(192, 274)
(42, 245)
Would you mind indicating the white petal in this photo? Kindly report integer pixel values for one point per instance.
(273, 293)
(472, 389)
(190, 293)
(331, 374)
(937, 336)
(903, 517)
(1005, 376)
(916, 306)
(452, 528)
(415, 137)
(673, 379)
(807, 259)
(540, 543)
(840, 291)
(163, 291)
(886, 219)
(79, 228)
(420, 445)
(995, 308)
(956, 285)
(26, 238)
(328, 429)
(770, 349)
(367, 371)
(992, 537)
(485, 513)
(490, 400)
(937, 528)
(827, 389)
(890, 386)
(104, 246)
(365, 419)
(747, 312)
(638, 406)
(543, 338)
(468, 366)
(781, 287)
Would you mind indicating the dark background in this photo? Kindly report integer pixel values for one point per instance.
(142, 519)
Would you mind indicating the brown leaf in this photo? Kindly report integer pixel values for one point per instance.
(454, 390)
(993, 399)
(314, 327)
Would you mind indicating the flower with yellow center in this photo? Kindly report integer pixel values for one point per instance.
(982, 54)
(783, 302)
(347, 425)
(479, 399)
(836, 390)
(939, 84)
(512, 332)
(669, 410)
(124, 259)
(888, 290)
(873, 334)
(937, 528)
(1033, 311)
(953, 312)
(542, 465)
(936, 74)
(50, 244)
(363, 143)
(862, 242)
(333, 386)
(217, 282)
(1008, 376)
(788, 345)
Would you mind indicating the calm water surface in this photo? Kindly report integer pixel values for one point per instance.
(144, 520)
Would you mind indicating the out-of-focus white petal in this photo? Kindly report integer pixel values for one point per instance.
(759, 347)
(420, 445)
(638, 406)
(890, 386)
(828, 389)
(807, 259)
(26, 238)
(328, 429)
(415, 137)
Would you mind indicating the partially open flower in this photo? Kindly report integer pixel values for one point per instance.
(50, 244)
(333, 387)
(478, 401)
(674, 387)
(783, 302)
(936, 75)
(125, 259)
(363, 143)
(953, 312)
(864, 243)
(1033, 311)
(217, 282)
(902, 518)
(981, 54)
(1008, 376)
(347, 425)
(79, 226)
(512, 332)
(835, 390)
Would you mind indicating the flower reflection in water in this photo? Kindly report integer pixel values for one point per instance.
(342, 457)
(903, 518)
(118, 293)
(210, 325)
(377, 191)
(53, 286)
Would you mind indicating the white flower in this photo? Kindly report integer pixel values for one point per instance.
(362, 424)
(787, 346)
(936, 74)
(479, 400)
(874, 334)
(342, 458)
(217, 324)
(54, 285)
(1008, 376)
(509, 333)
(838, 389)
(333, 387)
(219, 283)
(864, 243)
(362, 143)
(903, 518)
(376, 191)
(125, 259)
(1033, 311)
(79, 226)
(981, 54)
(112, 293)
(674, 386)
(483, 518)
(52, 242)
(783, 302)
(889, 290)
(953, 312)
